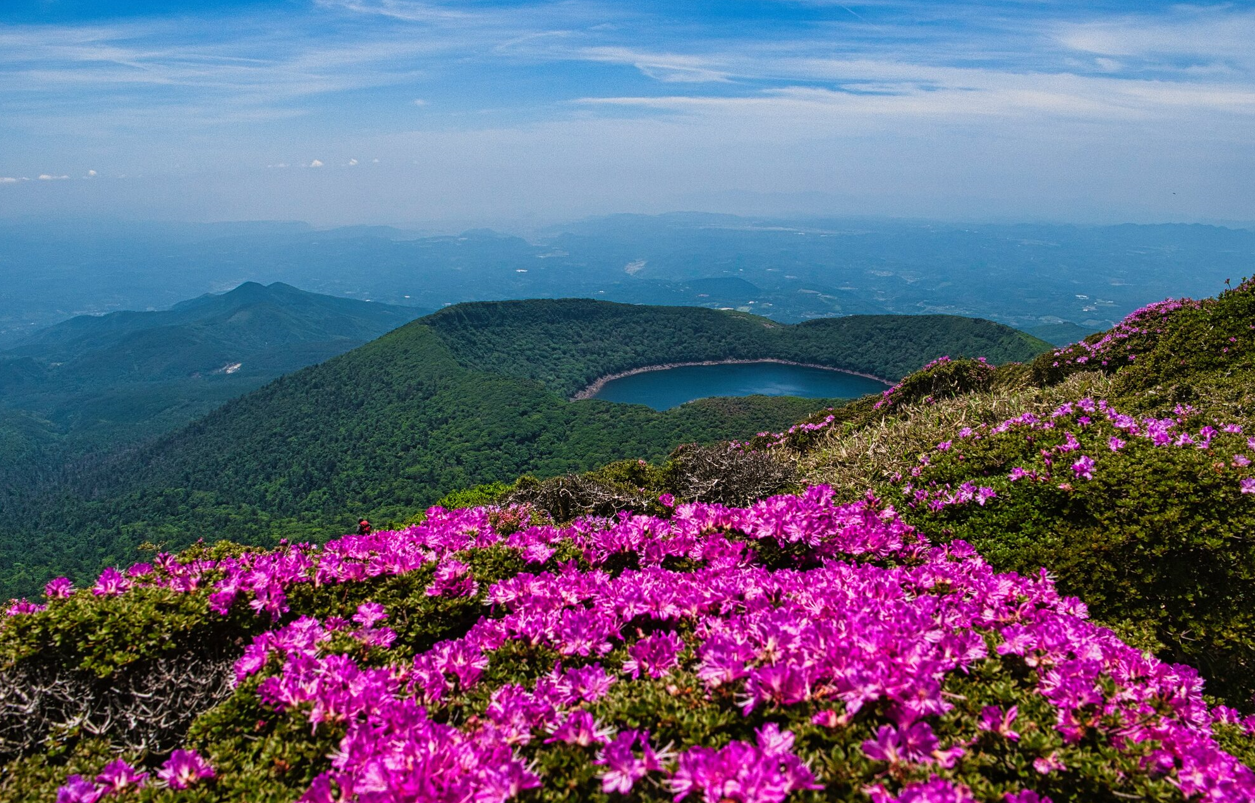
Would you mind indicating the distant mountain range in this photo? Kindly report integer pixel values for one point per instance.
(790, 270)
(113, 378)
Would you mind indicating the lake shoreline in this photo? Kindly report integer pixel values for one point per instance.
(593, 389)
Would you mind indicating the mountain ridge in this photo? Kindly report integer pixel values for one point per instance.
(191, 357)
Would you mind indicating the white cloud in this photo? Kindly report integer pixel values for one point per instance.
(352, 162)
(48, 177)
(419, 102)
(91, 173)
(665, 67)
(8, 180)
(1214, 33)
(315, 163)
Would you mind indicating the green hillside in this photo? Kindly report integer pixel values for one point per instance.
(107, 380)
(566, 344)
(443, 403)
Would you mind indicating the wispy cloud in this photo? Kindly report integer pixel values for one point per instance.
(665, 67)
(267, 87)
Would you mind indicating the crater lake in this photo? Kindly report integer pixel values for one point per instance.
(666, 387)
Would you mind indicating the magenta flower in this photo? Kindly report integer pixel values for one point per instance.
(887, 746)
(1026, 796)
(1084, 467)
(994, 720)
(654, 655)
(741, 772)
(78, 789)
(453, 579)
(585, 684)
(118, 776)
(184, 769)
(623, 768)
(581, 729)
(60, 588)
(368, 613)
(1247, 485)
(935, 790)
(914, 744)
(1115, 444)
(21, 606)
(111, 583)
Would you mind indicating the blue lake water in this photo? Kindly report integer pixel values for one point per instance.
(671, 387)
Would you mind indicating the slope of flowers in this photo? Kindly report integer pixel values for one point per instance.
(1117, 346)
(1061, 457)
(1143, 516)
(795, 648)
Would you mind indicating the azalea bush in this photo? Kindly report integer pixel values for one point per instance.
(797, 648)
(1146, 518)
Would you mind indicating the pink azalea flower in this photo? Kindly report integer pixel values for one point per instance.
(184, 769)
(118, 776)
(60, 588)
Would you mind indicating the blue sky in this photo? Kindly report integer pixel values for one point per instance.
(407, 112)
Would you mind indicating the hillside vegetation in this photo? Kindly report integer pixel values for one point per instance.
(450, 401)
(103, 380)
(566, 344)
(871, 605)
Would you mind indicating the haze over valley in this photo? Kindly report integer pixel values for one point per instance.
(790, 270)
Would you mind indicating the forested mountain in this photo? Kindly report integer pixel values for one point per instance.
(568, 343)
(251, 318)
(469, 395)
(107, 380)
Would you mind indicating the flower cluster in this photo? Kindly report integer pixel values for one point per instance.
(1067, 462)
(741, 771)
(887, 397)
(871, 626)
(182, 770)
(939, 497)
(1149, 319)
(774, 440)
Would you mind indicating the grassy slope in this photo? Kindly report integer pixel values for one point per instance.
(1157, 543)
